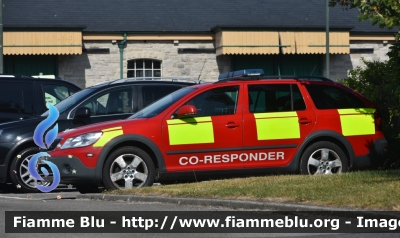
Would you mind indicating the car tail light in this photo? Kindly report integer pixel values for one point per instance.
(378, 124)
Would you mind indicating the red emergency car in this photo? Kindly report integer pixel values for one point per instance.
(244, 124)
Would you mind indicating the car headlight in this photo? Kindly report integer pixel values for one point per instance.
(82, 140)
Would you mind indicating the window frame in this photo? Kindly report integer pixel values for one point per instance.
(70, 92)
(102, 93)
(236, 103)
(292, 98)
(347, 92)
(143, 69)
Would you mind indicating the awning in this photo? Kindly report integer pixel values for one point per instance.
(271, 42)
(42, 43)
(315, 42)
(247, 42)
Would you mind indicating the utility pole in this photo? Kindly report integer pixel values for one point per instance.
(327, 37)
(1, 37)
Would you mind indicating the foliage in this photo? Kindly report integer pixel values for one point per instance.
(380, 82)
(384, 12)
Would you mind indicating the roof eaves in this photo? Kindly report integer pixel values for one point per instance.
(283, 27)
(44, 27)
(150, 32)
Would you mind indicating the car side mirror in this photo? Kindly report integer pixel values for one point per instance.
(82, 113)
(186, 111)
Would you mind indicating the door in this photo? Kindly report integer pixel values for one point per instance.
(111, 105)
(151, 93)
(212, 139)
(276, 121)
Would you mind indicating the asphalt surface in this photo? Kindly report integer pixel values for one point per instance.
(71, 200)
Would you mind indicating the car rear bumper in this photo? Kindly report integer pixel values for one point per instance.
(374, 158)
(72, 170)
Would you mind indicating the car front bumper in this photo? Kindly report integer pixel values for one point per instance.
(72, 170)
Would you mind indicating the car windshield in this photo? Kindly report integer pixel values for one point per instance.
(71, 100)
(162, 104)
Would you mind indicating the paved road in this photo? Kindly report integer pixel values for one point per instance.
(50, 202)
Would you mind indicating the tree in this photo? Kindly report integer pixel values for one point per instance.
(380, 81)
(384, 12)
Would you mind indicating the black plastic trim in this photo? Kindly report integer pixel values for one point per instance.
(82, 173)
(324, 133)
(124, 138)
(374, 158)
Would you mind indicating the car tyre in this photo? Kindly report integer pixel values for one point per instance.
(128, 167)
(19, 174)
(323, 157)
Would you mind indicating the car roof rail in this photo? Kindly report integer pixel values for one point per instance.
(258, 74)
(173, 79)
(241, 74)
(14, 76)
(317, 78)
(48, 76)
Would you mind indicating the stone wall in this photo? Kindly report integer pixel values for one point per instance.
(341, 64)
(89, 69)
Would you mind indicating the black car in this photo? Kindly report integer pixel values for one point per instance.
(23, 97)
(103, 102)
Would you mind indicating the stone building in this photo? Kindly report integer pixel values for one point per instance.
(87, 41)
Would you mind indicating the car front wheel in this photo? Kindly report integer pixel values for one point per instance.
(323, 157)
(128, 167)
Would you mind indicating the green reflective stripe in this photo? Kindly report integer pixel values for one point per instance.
(356, 111)
(277, 125)
(359, 121)
(108, 134)
(190, 131)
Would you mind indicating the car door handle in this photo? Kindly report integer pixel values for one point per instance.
(232, 125)
(304, 121)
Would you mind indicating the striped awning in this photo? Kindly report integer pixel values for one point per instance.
(247, 42)
(290, 42)
(315, 42)
(42, 43)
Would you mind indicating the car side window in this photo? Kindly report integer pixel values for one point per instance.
(16, 98)
(275, 98)
(113, 102)
(56, 93)
(333, 97)
(217, 101)
(152, 93)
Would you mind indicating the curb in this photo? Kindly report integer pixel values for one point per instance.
(235, 204)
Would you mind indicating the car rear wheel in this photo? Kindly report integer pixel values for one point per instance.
(128, 167)
(19, 174)
(323, 157)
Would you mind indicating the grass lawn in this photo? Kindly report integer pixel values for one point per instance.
(367, 189)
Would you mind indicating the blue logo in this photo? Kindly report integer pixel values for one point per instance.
(49, 138)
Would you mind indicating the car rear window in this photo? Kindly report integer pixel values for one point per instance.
(16, 98)
(333, 97)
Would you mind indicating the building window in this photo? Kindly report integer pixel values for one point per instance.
(144, 68)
